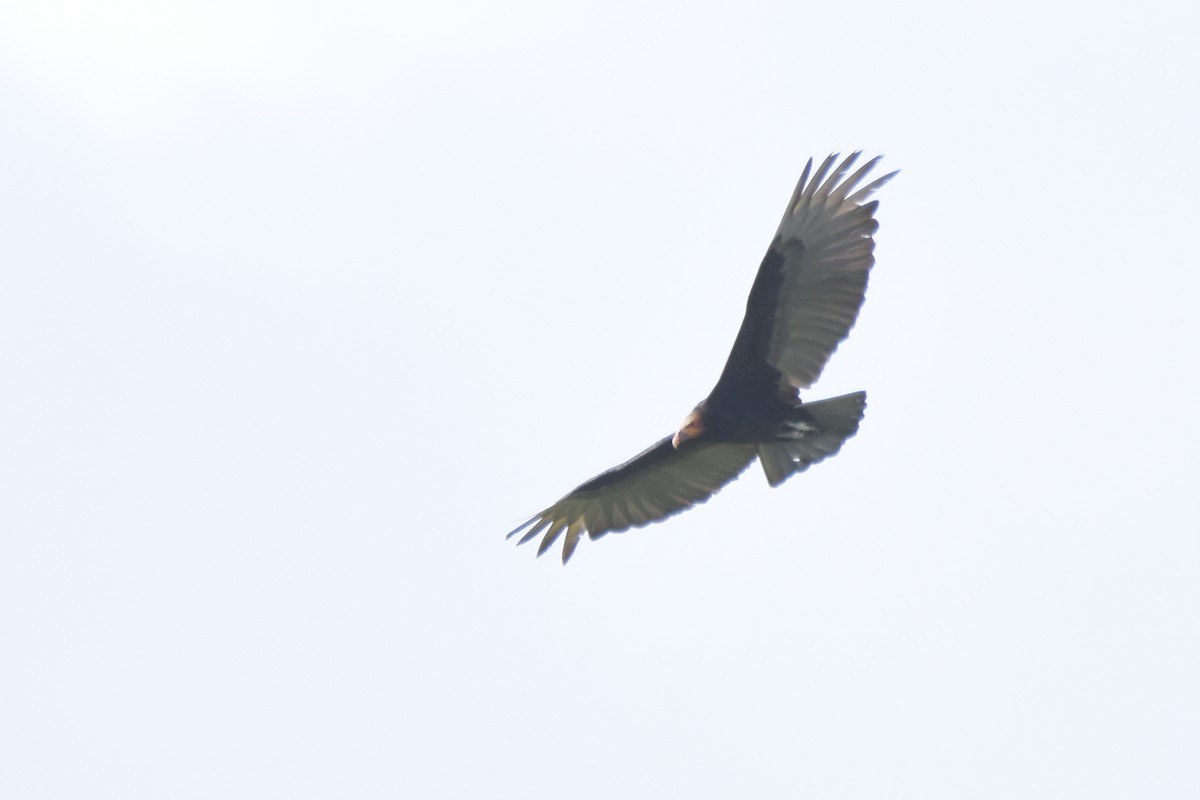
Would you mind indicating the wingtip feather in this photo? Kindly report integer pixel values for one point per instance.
(540, 524)
(862, 194)
(520, 527)
(571, 541)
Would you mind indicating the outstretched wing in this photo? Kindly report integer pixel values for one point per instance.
(652, 486)
(825, 238)
(812, 280)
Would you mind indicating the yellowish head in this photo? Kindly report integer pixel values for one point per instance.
(692, 427)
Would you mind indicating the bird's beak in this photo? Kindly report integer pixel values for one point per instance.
(675, 440)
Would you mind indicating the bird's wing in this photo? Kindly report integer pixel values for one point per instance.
(823, 251)
(652, 486)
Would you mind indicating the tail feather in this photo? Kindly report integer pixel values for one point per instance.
(820, 430)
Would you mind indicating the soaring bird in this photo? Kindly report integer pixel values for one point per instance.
(805, 298)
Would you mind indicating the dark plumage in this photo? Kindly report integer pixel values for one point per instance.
(804, 301)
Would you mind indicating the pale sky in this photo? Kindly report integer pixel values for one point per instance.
(304, 306)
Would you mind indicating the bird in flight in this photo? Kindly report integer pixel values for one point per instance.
(804, 300)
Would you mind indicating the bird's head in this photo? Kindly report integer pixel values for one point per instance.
(692, 427)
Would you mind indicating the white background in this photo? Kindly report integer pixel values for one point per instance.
(303, 306)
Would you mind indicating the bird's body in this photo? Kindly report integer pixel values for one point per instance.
(804, 300)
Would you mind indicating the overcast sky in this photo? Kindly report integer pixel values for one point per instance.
(303, 306)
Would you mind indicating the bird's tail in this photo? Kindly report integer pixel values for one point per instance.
(817, 431)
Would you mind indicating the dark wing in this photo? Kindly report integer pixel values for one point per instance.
(652, 486)
(811, 283)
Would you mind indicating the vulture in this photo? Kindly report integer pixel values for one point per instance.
(804, 300)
